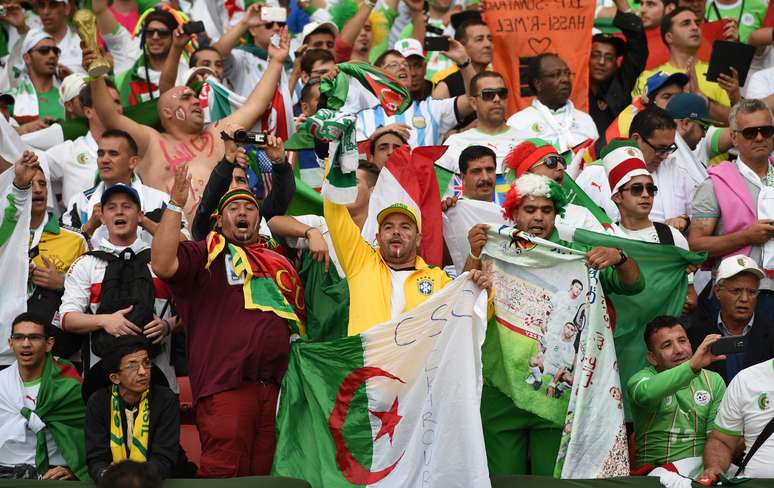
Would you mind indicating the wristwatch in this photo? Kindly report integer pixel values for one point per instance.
(624, 258)
(463, 64)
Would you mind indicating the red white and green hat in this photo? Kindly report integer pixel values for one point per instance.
(623, 161)
(525, 155)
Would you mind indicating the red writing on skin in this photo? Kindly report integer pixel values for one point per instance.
(183, 154)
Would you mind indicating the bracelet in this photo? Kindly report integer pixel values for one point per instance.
(168, 325)
(369, 3)
(171, 206)
(477, 258)
(306, 232)
(464, 64)
(624, 258)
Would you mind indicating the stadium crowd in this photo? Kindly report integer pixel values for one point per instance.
(158, 246)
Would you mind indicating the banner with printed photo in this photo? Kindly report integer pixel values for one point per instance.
(524, 29)
(550, 349)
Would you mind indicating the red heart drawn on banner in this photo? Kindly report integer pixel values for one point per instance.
(539, 46)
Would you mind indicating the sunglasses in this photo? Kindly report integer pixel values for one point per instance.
(488, 94)
(270, 25)
(750, 133)
(662, 151)
(44, 50)
(552, 161)
(163, 33)
(638, 188)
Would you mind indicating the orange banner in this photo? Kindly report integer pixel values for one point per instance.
(523, 29)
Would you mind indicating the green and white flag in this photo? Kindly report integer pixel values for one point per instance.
(550, 349)
(396, 406)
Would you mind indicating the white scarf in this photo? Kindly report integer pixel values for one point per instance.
(765, 211)
(561, 121)
(13, 425)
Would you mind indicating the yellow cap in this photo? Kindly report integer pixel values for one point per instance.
(399, 208)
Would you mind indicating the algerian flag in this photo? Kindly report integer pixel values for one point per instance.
(410, 177)
(550, 349)
(666, 284)
(396, 406)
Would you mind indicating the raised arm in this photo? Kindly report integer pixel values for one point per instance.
(230, 38)
(169, 70)
(106, 22)
(260, 98)
(416, 7)
(165, 243)
(110, 118)
(459, 55)
(355, 24)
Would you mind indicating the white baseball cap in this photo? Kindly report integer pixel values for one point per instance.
(314, 26)
(71, 86)
(733, 265)
(409, 47)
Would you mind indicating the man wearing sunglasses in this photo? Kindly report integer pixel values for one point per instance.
(699, 143)
(489, 99)
(552, 116)
(35, 88)
(733, 210)
(633, 192)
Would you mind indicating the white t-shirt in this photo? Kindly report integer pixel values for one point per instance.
(428, 121)
(398, 298)
(14, 453)
(74, 163)
(649, 234)
(318, 222)
(761, 84)
(501, 144)
(564, 128)
(746, 408)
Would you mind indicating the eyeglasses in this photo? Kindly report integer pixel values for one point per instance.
(751, 133)
(488, 94)
(662, 150)
(736, 292)
(606, 57)
(552, 161)
(270, 25)
(162, 33)
(638, 188)
(31, 337)
(134, 365)
(44, 50)
(396, 65)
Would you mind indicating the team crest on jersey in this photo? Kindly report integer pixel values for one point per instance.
(425, 286)
(419, 122)
(763, 401)
(537, 128)
(81, 158)
(747, 19)
(702, 398)
(668, 401)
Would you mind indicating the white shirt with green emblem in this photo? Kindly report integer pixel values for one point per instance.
(747, 407)
(564, 128)
(73, 164)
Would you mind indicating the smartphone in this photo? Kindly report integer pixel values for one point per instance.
(193, 27)
(728, 345)
(2, 11)
(274, 14)
(436, 44)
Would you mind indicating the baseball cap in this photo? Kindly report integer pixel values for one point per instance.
(120, 188)
(689, 106)
(71, 86)
(399, 208)
(409, 47)
(733, 265)
(315, 26)
(657, 80)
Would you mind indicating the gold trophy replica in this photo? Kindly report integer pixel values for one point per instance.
(86, 25)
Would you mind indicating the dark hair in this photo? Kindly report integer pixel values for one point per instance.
(533, 68)
(33, 318)
(379, 63)
(123, 345)
(306, 91)
(576, 281)
(130, 474)
(660, 322)
(193, 60)
(160, 15)
(648, 121)
(311, 56)
(480, 76)
(84, 96)
(120, 134)
(371, 170)
(382, 134)
(666, 22)
(461, 33)
(471, 153)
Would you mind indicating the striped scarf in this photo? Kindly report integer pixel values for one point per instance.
(138, 451)
(271, 284)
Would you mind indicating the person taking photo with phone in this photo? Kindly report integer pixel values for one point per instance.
(736, 288)
(674, 400)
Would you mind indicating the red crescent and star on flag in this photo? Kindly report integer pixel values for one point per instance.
(350, 467)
